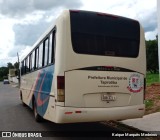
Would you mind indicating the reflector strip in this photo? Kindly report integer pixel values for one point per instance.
(68, 112)
(78, 111)
(141, 109)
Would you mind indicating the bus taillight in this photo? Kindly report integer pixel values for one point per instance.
(60, 88)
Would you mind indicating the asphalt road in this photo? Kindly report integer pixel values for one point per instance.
(15, 117)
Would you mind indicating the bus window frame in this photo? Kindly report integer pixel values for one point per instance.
(36, 52)
(45, 47)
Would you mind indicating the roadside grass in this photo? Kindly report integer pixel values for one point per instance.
(152, 78)
(149, 103)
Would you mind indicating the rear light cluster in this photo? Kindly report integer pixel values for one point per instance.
(60, 88)
(77, 112)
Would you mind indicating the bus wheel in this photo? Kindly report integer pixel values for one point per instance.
(37, 117)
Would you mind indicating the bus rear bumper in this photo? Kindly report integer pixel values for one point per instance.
(73, 115)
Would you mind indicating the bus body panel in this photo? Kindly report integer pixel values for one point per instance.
(87, 88)
(38, 85)
(50, 113)
(75, 60)
(97, 114)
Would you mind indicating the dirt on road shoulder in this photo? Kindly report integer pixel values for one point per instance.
(152, 98)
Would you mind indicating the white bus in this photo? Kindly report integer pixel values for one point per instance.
(87, 67)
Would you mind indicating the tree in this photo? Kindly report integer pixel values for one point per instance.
(10, 66)
(152, 55)
(16, 65)
(3, 72)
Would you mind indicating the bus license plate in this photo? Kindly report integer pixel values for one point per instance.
(107, 97)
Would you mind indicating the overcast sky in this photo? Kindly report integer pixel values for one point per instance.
(23, 21)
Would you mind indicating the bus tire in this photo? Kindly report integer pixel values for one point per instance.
(37, 117)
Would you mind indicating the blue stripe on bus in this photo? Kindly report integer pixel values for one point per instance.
(42, 89)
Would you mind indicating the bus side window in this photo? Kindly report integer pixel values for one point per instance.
(40, 60)
(27, 64)
(54, 45)
(46, 43)
(36, 57)
(30, 62)
(33, 61)
(51, 47)
(22, 68)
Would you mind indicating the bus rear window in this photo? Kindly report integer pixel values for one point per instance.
(102, 34)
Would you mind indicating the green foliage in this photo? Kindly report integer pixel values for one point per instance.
(16, 65)
(10, 66)
(152, 55)
(3, 72)
(1, 79)
(152, 78)
(149, 103)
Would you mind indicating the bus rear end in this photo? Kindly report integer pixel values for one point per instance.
(105, 64)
